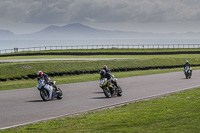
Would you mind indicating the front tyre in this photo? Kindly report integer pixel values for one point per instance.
(44, 94)
(107, 92)
(60, 94)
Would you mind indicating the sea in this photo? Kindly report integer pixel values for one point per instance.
(25, 43)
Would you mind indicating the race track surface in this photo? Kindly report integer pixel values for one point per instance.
(25, 105)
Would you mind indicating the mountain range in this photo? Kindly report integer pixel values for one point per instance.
(78, 30)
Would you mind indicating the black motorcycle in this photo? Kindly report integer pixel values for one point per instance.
(188, 73)
(110, 89)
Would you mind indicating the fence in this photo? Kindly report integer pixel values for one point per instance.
(139, 46)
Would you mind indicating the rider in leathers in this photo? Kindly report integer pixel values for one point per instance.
(107, 75)
(41, 75)
(186, 66)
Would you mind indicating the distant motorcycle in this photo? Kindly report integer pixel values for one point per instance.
(49, 91)
(188, 73)
(109, 89)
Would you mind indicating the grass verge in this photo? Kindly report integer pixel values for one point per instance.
(19, 69)
(102, 56)
(175, 113)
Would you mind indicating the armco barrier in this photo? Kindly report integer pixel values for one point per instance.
(52, 74)
(105, 53)
(109, 46)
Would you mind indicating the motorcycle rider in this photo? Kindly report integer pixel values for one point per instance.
(105, 75)
(108, 75)
(186, 66)
(41, 75)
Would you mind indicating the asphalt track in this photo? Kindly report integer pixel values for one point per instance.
(91, 59)
(23, 106)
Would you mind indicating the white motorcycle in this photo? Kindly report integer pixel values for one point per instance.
(49, 91)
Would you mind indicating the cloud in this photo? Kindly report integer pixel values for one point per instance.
(99, 11)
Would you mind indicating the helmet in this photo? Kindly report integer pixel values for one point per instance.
(40, 74)
(102, 72)
(187, 62)
(105, 67)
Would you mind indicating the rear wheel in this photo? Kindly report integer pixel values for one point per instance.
(119, 91)
(60, 94)
(186, 75)
(44, 94)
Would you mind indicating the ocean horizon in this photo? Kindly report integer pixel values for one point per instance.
(25, 43)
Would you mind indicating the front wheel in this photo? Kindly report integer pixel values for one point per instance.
(60, 94)
(107, 92)
(44, 94)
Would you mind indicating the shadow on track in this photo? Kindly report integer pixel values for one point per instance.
(36, 101)
(98, 92)
(183, 78)
(99, 98)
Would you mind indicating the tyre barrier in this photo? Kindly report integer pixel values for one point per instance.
(124, 69)
(104, 53)
(24, 77)
(2, 79)
(32, 76)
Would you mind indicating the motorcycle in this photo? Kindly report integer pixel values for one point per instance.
(109, 88)
(188, 73)
(49, 91)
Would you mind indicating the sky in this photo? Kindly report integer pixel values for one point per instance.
(157, 16)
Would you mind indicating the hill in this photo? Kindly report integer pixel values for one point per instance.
(78, 30)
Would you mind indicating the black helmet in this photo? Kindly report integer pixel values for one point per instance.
(102, 72)
(105, 67)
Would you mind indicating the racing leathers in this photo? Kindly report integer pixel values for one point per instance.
(45, 77)
(107, 74)
(186, 67)
(47, 80)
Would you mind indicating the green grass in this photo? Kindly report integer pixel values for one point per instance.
(102, 56)
(18, 69)
(175, 113)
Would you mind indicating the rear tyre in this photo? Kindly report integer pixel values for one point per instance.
(60, 95)
(186, 75)
(44, 94)
(119, 91)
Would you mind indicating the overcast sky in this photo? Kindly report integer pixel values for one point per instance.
(160, 16)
